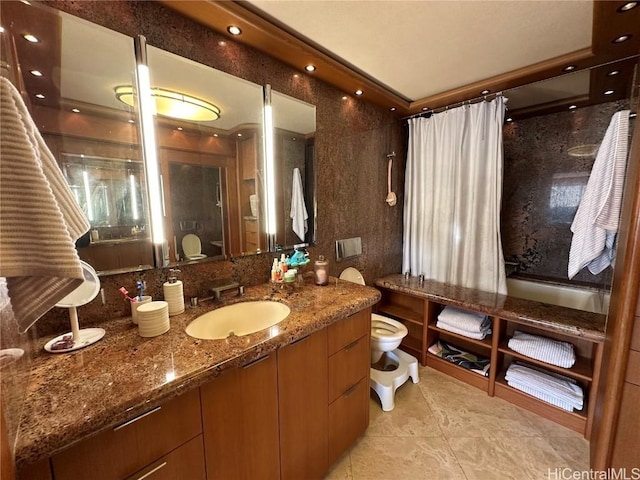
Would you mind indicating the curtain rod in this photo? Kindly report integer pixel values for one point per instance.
(454, 105)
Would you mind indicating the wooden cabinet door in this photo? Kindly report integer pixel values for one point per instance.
(125, 449)
(240, 422)
(302, 394)
(348, 419)
(185, 462)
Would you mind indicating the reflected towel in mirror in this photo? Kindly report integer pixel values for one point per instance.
(298, 208)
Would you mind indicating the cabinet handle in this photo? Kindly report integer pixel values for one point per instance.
(351, 345)
(133, 420)
(300, 340)
(257, 360)
(151, 472)
(350, 390)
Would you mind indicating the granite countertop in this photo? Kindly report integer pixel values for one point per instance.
(73, 396)
(542, 315)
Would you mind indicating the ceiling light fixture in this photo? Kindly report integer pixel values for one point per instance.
(358, 92)
(627, 6)
(75, 110)
(36, 73)
(39, 95)
(609, 92)
(569, 68)
(169, 103)
(509, 119)
(393, 109)
(613, 72)
(310, 68)
(234, 30)
(621, 38)
(130, 121)
(344, 97)
(572, 107)
(180, 128)
(485, 92)
(215, 135)
(30, 38)
(239, 134)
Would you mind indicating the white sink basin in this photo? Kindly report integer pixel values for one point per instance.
(237, 320)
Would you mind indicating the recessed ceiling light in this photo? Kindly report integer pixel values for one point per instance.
(633, 115)
(293, 139)
(393, 109)
(36, 73)
(75, 110)
(569, 68)
(39, 95)
(295, 75)
(130, 121)
(310, 68)
(239, 134)
(622, 38)
(215, 135)
(30, 38)
(344, 97)
(613, 72)
(233, 30)
(222, 43)
(571, 107)
(358, 92)
(485, 91)
(509, 119)
(180, 128)
(608, 92)
(627, 6)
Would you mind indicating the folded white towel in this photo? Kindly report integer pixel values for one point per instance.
(298, 213)
(599, 208)
(544, 349)
(552, 387)
(544, 396)
(464, 320)
(39, 216)
(460, 331)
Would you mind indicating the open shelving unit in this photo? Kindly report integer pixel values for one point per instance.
(419, 313)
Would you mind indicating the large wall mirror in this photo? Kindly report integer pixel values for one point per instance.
(211, 166)
(67, 69)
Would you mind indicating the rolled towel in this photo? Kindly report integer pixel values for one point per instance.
(557, 353)
(465, 333)
(464, 320)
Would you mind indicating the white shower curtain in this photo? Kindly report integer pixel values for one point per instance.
(453, 190)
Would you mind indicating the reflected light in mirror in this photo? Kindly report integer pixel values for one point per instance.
(269, 162)
(134, 203)
(170, 103)
(87, 194)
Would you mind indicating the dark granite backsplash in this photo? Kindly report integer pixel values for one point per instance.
(542, 187)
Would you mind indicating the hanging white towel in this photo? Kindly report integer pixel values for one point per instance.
(298, 208)
(596, 220)
(39, 216)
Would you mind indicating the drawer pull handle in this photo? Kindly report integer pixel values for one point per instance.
(351, 345)
(350, 390)
(300, 340)
(133, 420)
(257, 360)
(151, 472)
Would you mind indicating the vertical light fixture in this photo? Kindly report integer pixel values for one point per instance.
(87, 194)
(269, 167)
(134, 203)
(149, 152)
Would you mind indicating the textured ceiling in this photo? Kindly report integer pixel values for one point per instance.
(422, 48)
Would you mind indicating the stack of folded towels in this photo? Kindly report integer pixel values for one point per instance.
(552, 388)
(469, 324)
(557, 353)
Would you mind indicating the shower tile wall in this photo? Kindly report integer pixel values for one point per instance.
(543, 182)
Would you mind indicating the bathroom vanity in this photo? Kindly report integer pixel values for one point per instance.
(418, 304)
(284, 402)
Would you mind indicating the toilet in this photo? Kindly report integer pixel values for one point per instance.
(390, 366)
(192, 247)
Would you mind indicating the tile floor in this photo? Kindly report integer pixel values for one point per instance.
(444, 429)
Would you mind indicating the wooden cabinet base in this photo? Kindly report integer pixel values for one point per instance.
(348, 420)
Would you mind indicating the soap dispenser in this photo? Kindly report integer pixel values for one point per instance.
(321, 270)
(173, 293)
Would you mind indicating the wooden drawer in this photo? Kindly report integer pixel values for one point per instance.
(348, 366)
(346, 331)
(251, 227)
(348, 418)
(251, 237)
(125, 449)
(186, 461)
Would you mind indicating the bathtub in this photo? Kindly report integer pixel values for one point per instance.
(588, 299)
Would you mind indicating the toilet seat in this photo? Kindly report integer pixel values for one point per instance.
(192, 247)
(351, 274)
(385, 328)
